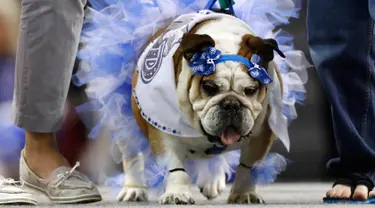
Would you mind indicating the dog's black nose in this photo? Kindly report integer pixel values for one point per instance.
(230, 103)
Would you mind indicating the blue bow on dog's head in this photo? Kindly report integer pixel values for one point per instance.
(204, 63)
(257, 72)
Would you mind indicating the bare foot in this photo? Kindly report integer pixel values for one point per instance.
(360, 193)
(41, 154)
(340, 191)
(344, 192)
(372, 193)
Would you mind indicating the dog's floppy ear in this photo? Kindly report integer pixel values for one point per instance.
(273, 44)
(262, 47)
(192, 43)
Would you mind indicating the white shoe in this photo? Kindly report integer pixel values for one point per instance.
(64, 186)
(13, 193)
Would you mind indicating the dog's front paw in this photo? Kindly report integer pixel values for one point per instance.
(245, 198)
(214, 188)
(132, 194)
(177, 198)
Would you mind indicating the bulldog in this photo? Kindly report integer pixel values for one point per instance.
(202, 82)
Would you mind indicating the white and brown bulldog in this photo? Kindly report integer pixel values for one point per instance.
(184, 107)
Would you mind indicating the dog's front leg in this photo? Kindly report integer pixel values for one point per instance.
(177, 189)
(244, 187)
(212, 185)
(134, 188)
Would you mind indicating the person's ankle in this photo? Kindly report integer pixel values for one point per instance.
(39, 141)
(41, 154)
(37, 144)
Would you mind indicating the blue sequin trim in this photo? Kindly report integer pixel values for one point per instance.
(153, 122)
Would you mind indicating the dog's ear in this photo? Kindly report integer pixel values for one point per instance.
(262, 47)
(193, 43)
(273, 44)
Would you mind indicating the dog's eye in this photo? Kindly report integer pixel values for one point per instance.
(210, 88)
(249, 91)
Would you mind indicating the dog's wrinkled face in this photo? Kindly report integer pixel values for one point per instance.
(227, 102)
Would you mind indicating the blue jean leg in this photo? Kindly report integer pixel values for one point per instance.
(340, 36)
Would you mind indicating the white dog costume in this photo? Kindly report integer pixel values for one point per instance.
(114, 37)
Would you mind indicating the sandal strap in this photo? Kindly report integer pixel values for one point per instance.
(343, 181)
(347, 181)
(361, 179)
(353, 180)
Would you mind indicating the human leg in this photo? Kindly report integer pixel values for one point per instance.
(47, 46)
(48, 41)
(340, 35)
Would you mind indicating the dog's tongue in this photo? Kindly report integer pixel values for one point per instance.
(229, 136)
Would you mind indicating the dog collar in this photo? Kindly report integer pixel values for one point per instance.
(204, 63)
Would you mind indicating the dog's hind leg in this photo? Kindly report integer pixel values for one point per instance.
(134, 188)
(244, 187)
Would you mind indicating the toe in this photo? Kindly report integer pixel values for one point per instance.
(360, 193)
(206, 191)
(144, 196)
(339, 191)
(121, 195)
(138, 196)
(330, 193)
(221, 186)
(372, 193)
(130, 196)
(214, 191)
(346, 193)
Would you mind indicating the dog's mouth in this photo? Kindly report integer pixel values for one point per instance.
(229, 136)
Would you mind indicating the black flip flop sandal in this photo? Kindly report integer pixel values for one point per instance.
(347, 181)
(353, 181)
(365, 181)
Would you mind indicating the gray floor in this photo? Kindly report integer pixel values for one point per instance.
(275, 195)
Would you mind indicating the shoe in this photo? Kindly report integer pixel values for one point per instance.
(13, 193)
(352, 180)
(64, 186)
